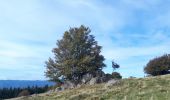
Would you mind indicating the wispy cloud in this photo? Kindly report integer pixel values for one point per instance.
(130, 31)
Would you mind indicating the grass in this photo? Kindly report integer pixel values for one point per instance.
(150, 88)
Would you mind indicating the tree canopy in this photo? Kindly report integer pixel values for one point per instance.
(76, 54)
(158, 66)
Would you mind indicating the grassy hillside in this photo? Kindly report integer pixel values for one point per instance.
(152, 88)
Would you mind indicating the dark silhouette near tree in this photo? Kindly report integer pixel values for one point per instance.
(115, 75)
(76, 54)
(158, 66)
(115, 65)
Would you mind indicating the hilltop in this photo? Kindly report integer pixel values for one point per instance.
(149, 88)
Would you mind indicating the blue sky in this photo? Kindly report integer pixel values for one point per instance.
(131, 32)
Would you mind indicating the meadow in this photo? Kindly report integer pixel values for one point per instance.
(149, 88)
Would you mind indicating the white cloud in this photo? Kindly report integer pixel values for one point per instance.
(128, 52)
(29, 29)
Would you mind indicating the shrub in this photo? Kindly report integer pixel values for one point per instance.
(158, 66)
(116, 75)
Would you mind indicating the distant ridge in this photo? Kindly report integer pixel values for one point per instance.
(24, 83)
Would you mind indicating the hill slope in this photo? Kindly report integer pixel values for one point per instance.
(151, 88)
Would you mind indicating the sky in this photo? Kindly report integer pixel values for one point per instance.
(131, 33)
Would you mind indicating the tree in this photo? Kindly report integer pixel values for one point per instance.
(76, 54)
(158, 66)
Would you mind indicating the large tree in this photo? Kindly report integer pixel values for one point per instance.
(158, 66)
(76, 54)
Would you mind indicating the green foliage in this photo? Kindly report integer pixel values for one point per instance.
(158, 66)
(109, 75)
(116, 75)
(76, 54)
(6, 93)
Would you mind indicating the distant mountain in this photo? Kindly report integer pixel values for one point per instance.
(24, 83)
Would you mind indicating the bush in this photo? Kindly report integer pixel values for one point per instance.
(116, 75)
(158, 66)
(109, 75)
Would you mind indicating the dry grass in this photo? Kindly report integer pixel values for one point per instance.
(151, 88)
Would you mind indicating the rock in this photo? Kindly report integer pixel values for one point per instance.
(103, 79)
(98, 74)
(68, 85)
(78, 85)
(95, 80)
(59, 89)
(50, 91)
(112, 82)
(34, 95)
(107, 77)
(86, 78)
